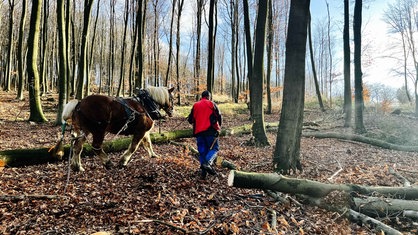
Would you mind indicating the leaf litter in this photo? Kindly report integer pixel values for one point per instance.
(165, 195)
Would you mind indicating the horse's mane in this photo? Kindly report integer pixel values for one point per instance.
(68, 110)
(159, 94)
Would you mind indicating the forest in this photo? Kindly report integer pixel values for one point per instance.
(295, 158)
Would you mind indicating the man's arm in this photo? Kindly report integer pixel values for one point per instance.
(190, 118)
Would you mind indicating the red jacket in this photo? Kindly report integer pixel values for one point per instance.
(205, 117)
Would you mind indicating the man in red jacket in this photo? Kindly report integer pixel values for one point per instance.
(207, 120)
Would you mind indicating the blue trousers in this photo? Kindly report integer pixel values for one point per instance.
(207, 154)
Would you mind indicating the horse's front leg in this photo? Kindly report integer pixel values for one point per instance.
(147, 144)
(131, 149)
(97, 149)
(79, 140)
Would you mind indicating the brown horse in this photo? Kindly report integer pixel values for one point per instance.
(99, 114)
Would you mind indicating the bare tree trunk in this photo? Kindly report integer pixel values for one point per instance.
(286, 156)
(121, 87)
(139, 49)
(211, 47)
(257, 77)
(269, 56)
(358, 80)
(330, 56)
(199, 13)
(62, 57)
(179, 12)
(82, 70)
(36, 113)
(8, 76)
(112, 42)
(311, 52)
(347, 62)
(249, 50)
(170, 43)
(44, 48)
(93, 39)
(21, 52)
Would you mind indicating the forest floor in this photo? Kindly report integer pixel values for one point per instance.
(165, 195)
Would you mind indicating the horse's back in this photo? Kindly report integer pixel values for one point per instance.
(96, 107)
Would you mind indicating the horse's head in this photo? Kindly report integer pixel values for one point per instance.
(163, 97)
(168, 107)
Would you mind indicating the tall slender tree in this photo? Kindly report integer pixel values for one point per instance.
(179, 13)
(270, 37)
(258, 128)
(311, 52)
(249, 50)
(36, 113)
(10, 47)
(199, 12)
(358, 74)
(62, 58)
(286, 156)
(170, 43)
(82, 68)
(20, 52)
(122, 62)
(211, 45)
(347, 61)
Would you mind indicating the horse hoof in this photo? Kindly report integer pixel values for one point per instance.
(108, 165)
(122, 164)
(77, 168)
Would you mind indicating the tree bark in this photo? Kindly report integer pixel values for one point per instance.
(286, 156)
(62, 57)
(347, 79)
(20, 52)
(249, 50)
(36, 113)
(83, 69)
(259, 131)
(358, 74)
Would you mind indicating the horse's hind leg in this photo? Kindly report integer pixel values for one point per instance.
(131, 149)
(77, 148)
(146, 143)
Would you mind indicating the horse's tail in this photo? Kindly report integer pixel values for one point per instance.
(68, 110)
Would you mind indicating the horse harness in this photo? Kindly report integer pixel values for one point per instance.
(143, 97)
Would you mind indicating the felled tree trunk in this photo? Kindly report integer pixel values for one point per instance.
(374, 206)
(24, 157)
(280, 183)
(363, 139)
(316, 193)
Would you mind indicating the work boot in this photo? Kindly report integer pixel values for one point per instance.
(208, 168)
(203, 174)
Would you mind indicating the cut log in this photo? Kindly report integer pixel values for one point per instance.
(363, 139)
(24, 157)
(280, 183)
(356, 216)
(382, 207)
